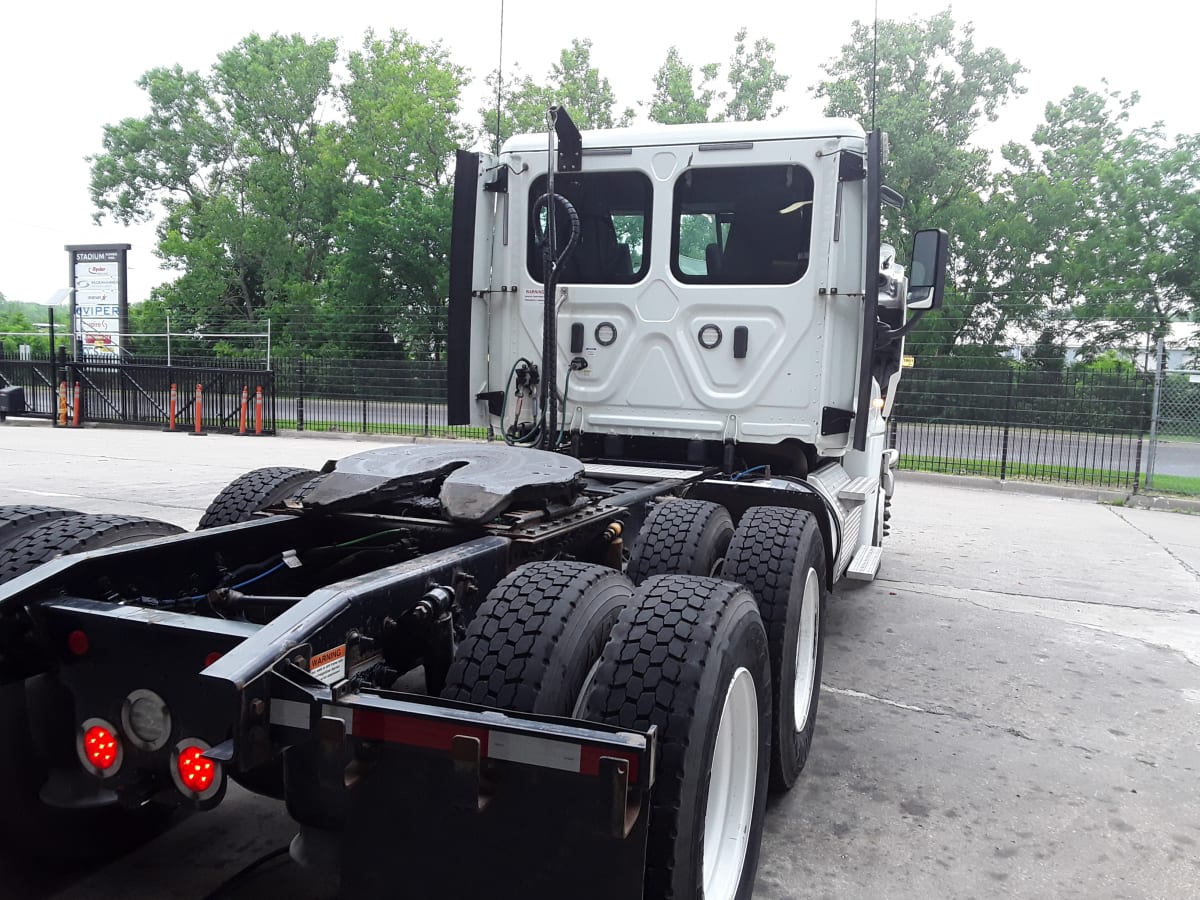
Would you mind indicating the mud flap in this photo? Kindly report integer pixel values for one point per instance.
(426, 825)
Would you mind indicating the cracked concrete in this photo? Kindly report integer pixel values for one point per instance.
(1010, 710)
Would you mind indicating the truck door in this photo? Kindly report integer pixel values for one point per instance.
(475, 182)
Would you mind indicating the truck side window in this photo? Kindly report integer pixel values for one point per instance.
(614, 227)
(742, 225)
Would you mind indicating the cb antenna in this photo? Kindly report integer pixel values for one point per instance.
(874, 63)
(499, 82)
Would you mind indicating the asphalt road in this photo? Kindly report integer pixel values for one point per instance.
(1009, 710)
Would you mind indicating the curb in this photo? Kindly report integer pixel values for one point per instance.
(1058, 491)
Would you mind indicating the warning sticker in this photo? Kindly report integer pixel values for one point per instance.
(330, 666)
(907, 362)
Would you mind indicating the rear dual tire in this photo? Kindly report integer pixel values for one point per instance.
(75, 533)
(689, 657)
(252, 492)
(778, 554)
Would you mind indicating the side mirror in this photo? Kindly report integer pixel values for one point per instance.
(927, 274)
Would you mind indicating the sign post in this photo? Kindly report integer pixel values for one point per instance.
(99, 300)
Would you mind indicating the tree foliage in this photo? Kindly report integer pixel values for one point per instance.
(572, 82)
(678, 99)
(933, 88)
(752, 81)
(310, 185)
(284, 192)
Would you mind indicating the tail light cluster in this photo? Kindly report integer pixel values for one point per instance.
(146, 726)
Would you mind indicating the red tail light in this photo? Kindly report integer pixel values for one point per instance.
(99, 747)
(197, 777)
(195, 772)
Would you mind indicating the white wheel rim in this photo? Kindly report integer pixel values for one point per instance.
(731, 788)
(806, 649)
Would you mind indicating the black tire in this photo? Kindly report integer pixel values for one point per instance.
(75, 534)
(536, 638)
(16, 520)
(239, 500)
(681, 537)
(772, 553)
(58, 836)
(671, 660)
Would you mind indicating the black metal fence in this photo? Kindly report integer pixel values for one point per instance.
(140, 393)
(1076, 427)
(990, 419)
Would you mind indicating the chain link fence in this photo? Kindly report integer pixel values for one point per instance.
(1173, 463)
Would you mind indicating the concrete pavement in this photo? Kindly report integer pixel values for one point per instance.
(1009, 710)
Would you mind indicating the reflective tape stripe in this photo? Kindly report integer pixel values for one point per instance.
(290, 714)
(433, 734)
(534, 751)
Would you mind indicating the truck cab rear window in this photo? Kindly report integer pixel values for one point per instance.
(614, 227)
(742, 225)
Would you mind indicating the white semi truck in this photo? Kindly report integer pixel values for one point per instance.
(571, 664)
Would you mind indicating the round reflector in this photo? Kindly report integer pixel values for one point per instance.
(99, 747)
(146, 720)
(77, 642)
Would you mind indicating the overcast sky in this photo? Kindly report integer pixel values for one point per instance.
(69, 68)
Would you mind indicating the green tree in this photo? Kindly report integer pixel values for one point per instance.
(934, 87)
(284, 192)
(389, 283)
(233, 161)
(1110, 219)
(677, 98)
(572, 82)
(754, 80)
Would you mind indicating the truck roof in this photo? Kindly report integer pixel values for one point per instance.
(652, 135)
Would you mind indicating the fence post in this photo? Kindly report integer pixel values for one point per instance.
(53, 365)
(1007, 417)
(172, 406)
(1152, 456)
(364, 428)
(426, 418)
(300, 394)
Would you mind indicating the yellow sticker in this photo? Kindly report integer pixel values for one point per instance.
(907, 362)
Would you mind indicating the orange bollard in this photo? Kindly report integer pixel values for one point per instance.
(245, 409)
(258, 410)
(75, 414)
(172, 408)
(62, 404)
(200, 432)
